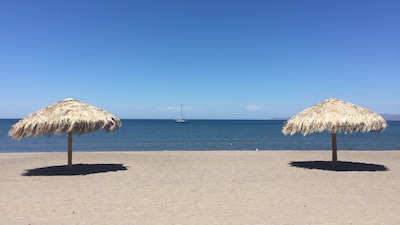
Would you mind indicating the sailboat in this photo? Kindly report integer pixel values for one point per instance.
(180, 120)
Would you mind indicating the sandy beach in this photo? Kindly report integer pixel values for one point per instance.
(207, 187)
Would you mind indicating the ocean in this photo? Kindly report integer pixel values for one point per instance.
(200, 135)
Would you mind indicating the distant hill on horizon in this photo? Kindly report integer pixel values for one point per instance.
(395, 117)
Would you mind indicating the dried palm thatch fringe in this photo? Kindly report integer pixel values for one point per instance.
(335, 116)
(64, 116)
(68, 115)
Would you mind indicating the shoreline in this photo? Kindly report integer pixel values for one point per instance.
(212, 150)
(199, 187)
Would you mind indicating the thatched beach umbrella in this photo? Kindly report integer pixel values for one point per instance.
(69, 116)
(335, 116)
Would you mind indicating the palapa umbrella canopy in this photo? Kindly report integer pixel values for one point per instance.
(335, 116)
(68, 115)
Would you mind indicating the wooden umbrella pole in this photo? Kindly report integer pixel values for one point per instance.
(334, 148)
(70, 150)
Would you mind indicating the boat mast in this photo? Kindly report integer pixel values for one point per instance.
(181, 111)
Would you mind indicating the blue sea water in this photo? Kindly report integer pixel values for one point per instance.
(198, 135)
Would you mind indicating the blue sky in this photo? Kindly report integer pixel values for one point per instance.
(220, 59)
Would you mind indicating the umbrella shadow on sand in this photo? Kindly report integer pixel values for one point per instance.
(77, 169)
(340, 166)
